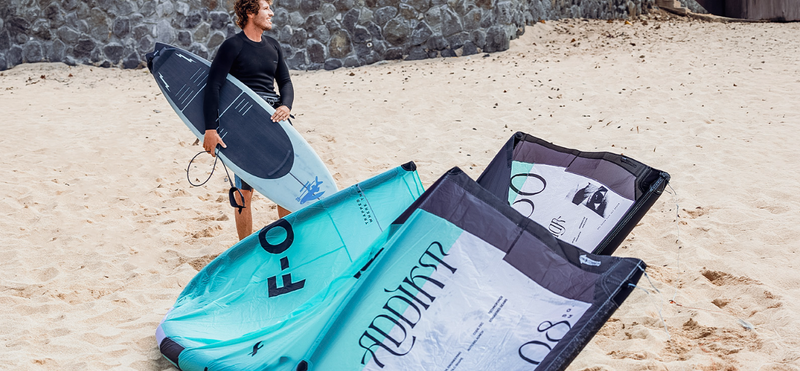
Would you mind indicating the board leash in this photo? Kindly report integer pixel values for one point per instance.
(231, 192)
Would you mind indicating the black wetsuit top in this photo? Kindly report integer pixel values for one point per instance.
(256, 64)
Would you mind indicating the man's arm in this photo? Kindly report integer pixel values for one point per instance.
(285, 87)
(217, 74)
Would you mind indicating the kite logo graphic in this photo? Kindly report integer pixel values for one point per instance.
(405, 308)
(539, 349)
(184, 57)
(586, 261)
(255, 349)
(280, 248)
(164, 81)
(309, 191)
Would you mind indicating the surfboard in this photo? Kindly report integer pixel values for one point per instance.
(272, 157)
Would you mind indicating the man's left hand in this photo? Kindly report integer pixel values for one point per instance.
(281, 113)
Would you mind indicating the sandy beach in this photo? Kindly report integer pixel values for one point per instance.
(101, 230)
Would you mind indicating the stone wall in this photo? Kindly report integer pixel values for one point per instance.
(314, 34)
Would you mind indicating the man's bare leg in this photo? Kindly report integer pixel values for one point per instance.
(244, 219)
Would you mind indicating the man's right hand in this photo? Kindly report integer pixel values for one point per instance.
(210, 141)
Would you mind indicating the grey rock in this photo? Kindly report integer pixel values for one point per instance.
(488, 20)
(146, 44)
(419, 5)
(469, 49)
(220, 19)
(231, 30)
(298, 60)
(496, 40)
(125, 7)
(434, 16)
(296, 19)
(473, 19)
(416, 53)
(370, 58)
(17, 26)
(383, 15)
(344, 5)
(83, 48)
(350, 20)
(215, 40)
(1, 23)
(374, 30)
(68, 35)
(340, 45)
(14, 56)
(485, 4)
(200, 50)
(101, 33)
(352, 61)
(309, 6)
(394, 3)
(365, 16)
(3, 63)
(54, 15)
(478, 37)
(299, 38)
(5, 40)
(192, 20)
(132, 61)
(121, 27)
(285, 34)
(142, 30)
(164, 32)
(312, 22)
(393, 53)
(184, 38)
(97, 17)
(148, 8)
(321, 33)
(281, 18)
(328, 11)
(41, 29)
(32, 52)
(361, 35)
(407, 11)
(290, 5)
(69, 4)
(56, 51)
(333, 26)
(421, 34)
(437, 43)
(449, 53)
(396, 31)
(457, 41)
(82, 12)
(165, 9)
(21, 39)
(113, 52)
(182, 8)
(504, 12)
(316, 51)
(450, 23)
(332, 64)
(201, 33)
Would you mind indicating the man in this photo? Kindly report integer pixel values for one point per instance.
(257, 61)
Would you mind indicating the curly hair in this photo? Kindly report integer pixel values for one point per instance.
(244, 7)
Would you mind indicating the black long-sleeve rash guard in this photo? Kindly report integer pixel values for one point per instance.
(256, 64)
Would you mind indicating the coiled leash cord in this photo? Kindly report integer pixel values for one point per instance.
(231, 192)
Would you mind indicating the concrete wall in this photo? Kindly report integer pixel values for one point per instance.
(314, 34)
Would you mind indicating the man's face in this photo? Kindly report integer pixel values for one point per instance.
(262, 19)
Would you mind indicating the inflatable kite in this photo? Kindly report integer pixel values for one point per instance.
(589, 199)
(459, 281)
(262, 303)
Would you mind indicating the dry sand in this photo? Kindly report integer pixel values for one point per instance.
(100, 230)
